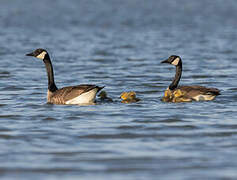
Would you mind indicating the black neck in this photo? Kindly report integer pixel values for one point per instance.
(49, 68)
(177, 77)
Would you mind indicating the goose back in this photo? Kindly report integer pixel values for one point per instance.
(200, 92)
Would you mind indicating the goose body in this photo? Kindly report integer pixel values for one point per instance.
(80, 94)
(175, 93)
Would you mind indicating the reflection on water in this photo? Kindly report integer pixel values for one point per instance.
(118, 44)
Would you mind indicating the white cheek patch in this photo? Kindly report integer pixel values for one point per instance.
(42, 55)
(176, 61)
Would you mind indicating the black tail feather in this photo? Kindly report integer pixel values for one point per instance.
(99, 88)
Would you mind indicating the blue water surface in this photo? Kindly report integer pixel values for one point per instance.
(118, 44)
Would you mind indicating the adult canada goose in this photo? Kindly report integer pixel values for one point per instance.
(80, 94)
(175, 93)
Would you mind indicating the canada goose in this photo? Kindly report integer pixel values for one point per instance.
(80, 94)
(129, 97)
(175, 93)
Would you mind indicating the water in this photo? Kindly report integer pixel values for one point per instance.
(118, 44)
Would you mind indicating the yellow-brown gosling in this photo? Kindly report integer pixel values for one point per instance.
(175, 93)
(80, 94)
(129, 97)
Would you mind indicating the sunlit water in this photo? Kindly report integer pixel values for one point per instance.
(118, 44)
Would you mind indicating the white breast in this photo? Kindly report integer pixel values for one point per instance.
(85, 98)
(206, 97)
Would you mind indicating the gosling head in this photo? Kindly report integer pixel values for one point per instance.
(174, 60)
(128, 95)
(38, 53)
(103, 95)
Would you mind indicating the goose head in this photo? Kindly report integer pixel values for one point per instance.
(39, 53)
(173, 59)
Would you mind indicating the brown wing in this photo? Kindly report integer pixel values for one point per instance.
(196, 90)
(70, 92)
